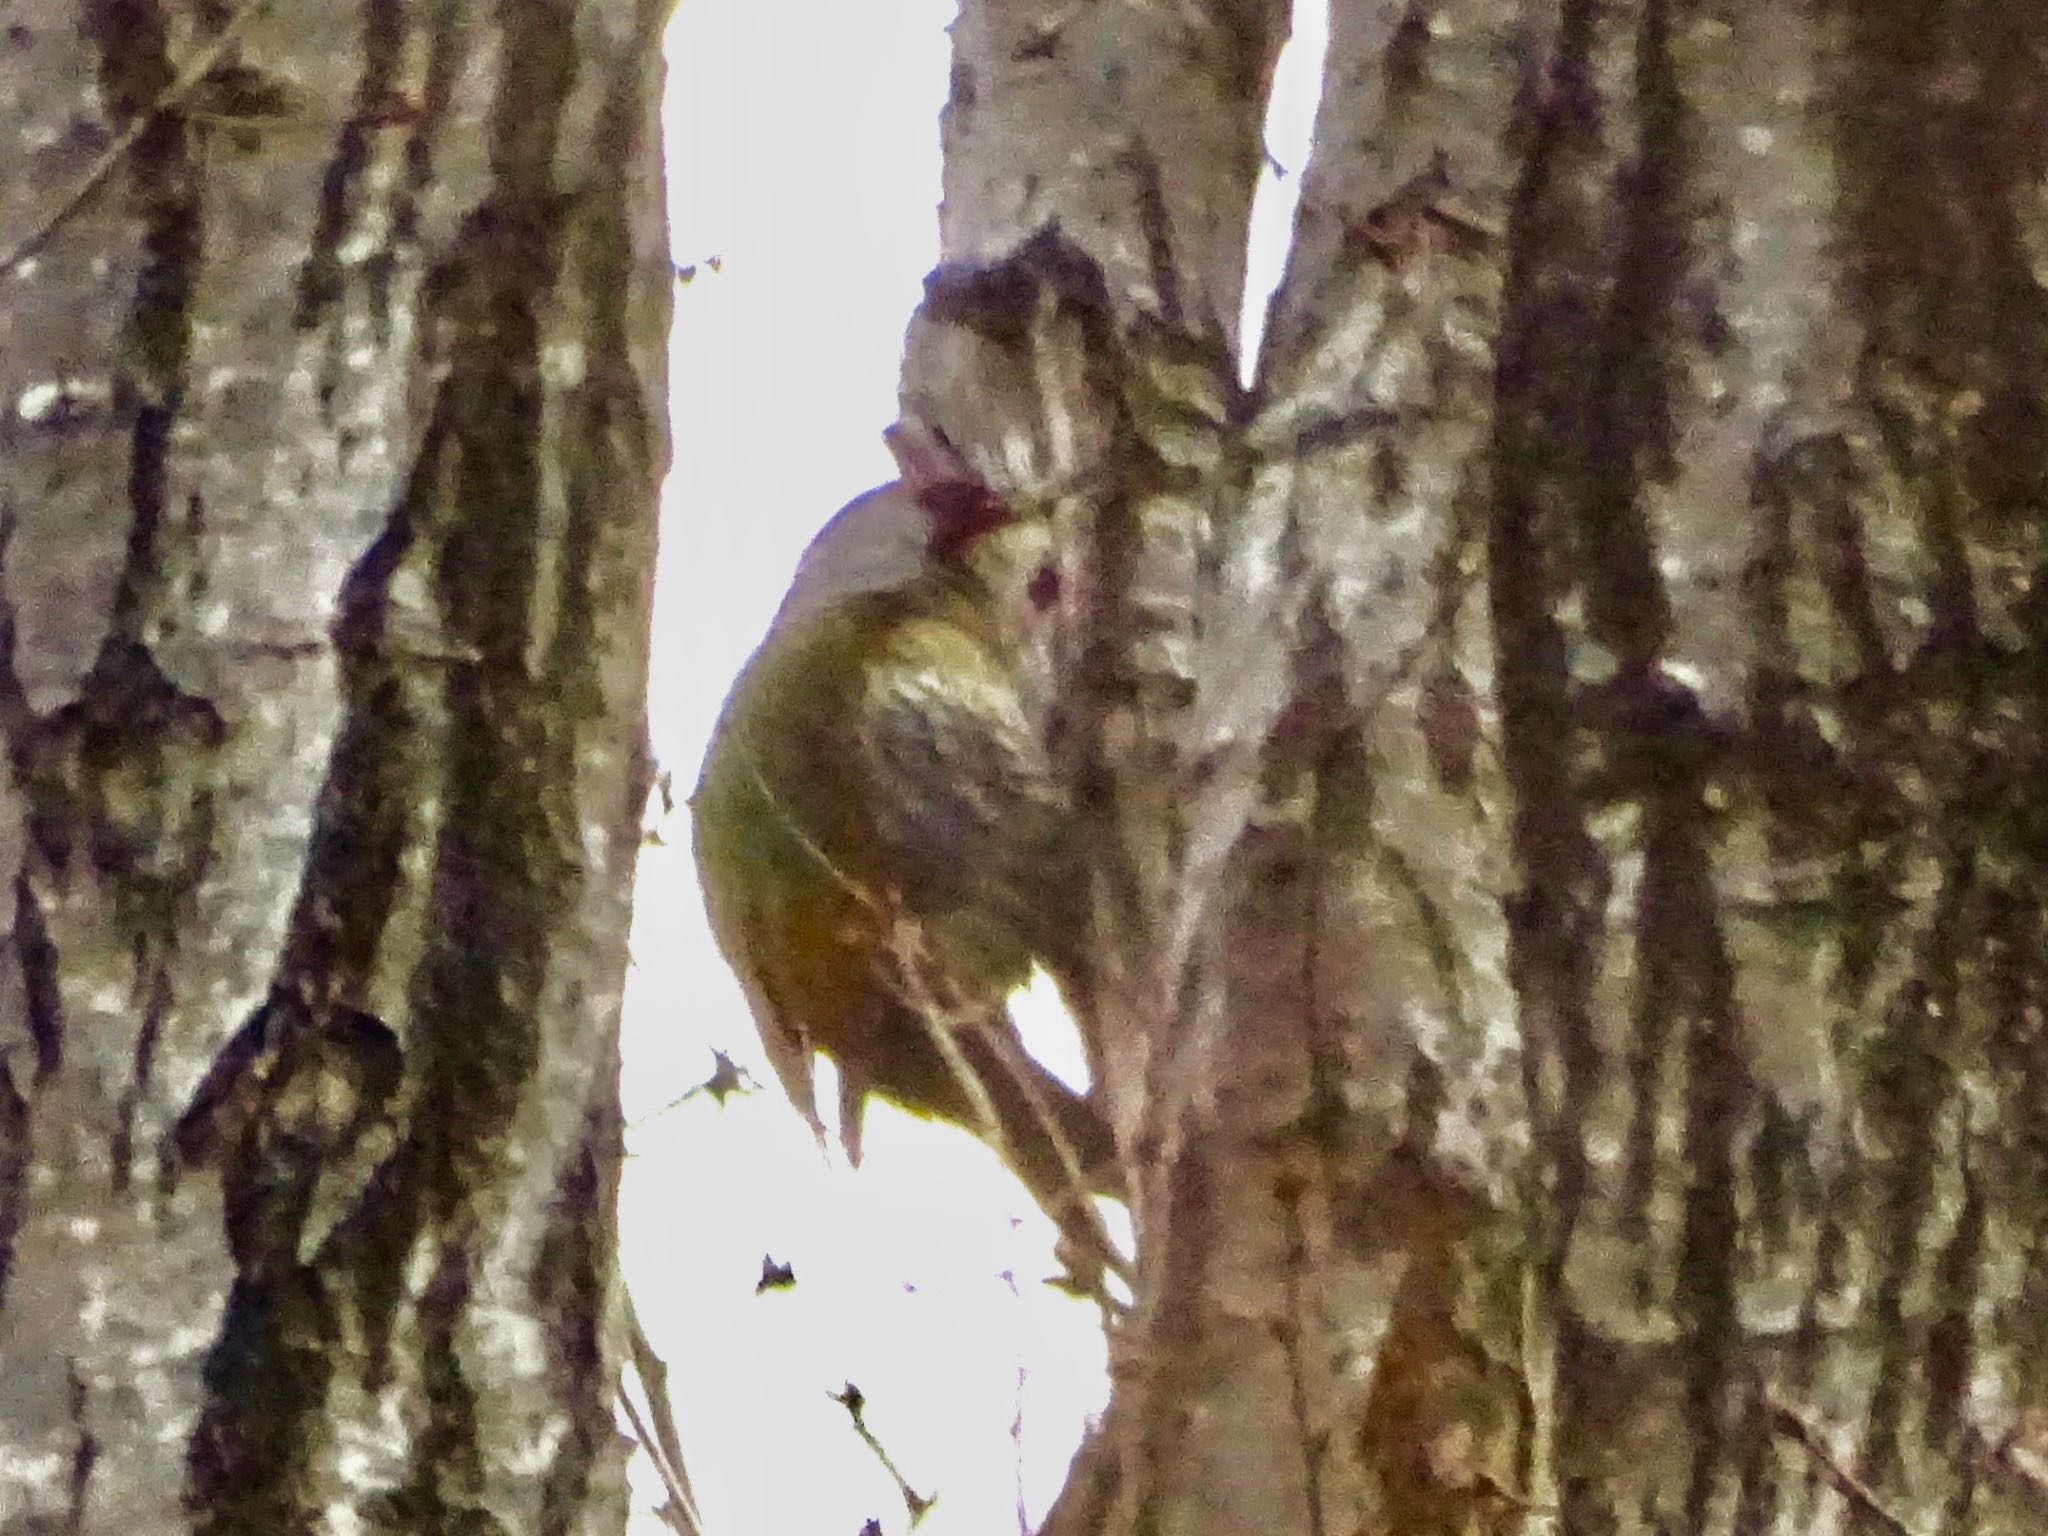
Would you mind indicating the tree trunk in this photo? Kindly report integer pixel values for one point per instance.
(1561, 752)
(331, 350)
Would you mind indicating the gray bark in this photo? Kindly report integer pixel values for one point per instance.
(332, 429)
(1560, 754)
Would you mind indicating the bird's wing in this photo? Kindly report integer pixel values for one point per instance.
(963, 796)
(733, 848)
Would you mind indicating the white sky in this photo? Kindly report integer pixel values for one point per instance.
(803, 154)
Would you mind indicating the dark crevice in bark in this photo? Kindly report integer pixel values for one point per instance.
(1686, 987)
(17, 715)
(499, 881)
(609, 438)
(448, 28)
(1317, 745)
(2000, 156)
(36, 955)
(1802, 780)
(1628, 433)
(2024, 1320)
(2013, 1160)
(1683, 971)
(465, 726)
(1845, 573)
(1405, 65)
(538, 59)
(1951, 1356)
(124, 773)
(1141, 164)
(372, 1245)
(16, 1153)
(250, 1458)
(1612, 402)
(1864, 876)
(1588, 1370)
(379, 106)
(1555, 921)
(1907, 1085)
(1935, 259)
(1718, 1097)
(85, 1450)
(1951, 377)
(1767, 579)
(1823, 1290)
(499, 878)
(153, 997)
(1784, 1187)
(1288, 1330)
(125, 769)
(265, 1382)
(148, 486)
(364, 809)
(1887, 118)
(572, 1272)
(1658, 1003)
(445, 1464)
(164, 177)
(2006, 472)
(1758, 1494)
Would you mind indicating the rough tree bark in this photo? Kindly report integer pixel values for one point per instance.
(331, 357)
(1566, 745)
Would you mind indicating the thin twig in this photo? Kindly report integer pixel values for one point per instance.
(1790, 1422)
(1017, 1425)
(1082, 1226)
(200, 66)
(854, 1401)
(2010, 1461)
(663, 1446)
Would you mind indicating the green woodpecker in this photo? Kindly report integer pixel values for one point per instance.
(881, 843)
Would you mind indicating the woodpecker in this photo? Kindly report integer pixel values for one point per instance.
(882, 846)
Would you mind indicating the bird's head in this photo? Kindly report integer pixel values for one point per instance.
(973, 535)
(939, 520)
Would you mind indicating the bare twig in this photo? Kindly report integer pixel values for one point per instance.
(854, 1401)
(1017, 1428)
(2021, 1467)
(1794, 1425)
(1090, 1252)
(727, 1077)
(196, 69)
(663, 1445)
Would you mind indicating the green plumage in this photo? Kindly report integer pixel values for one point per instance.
(877, 834)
